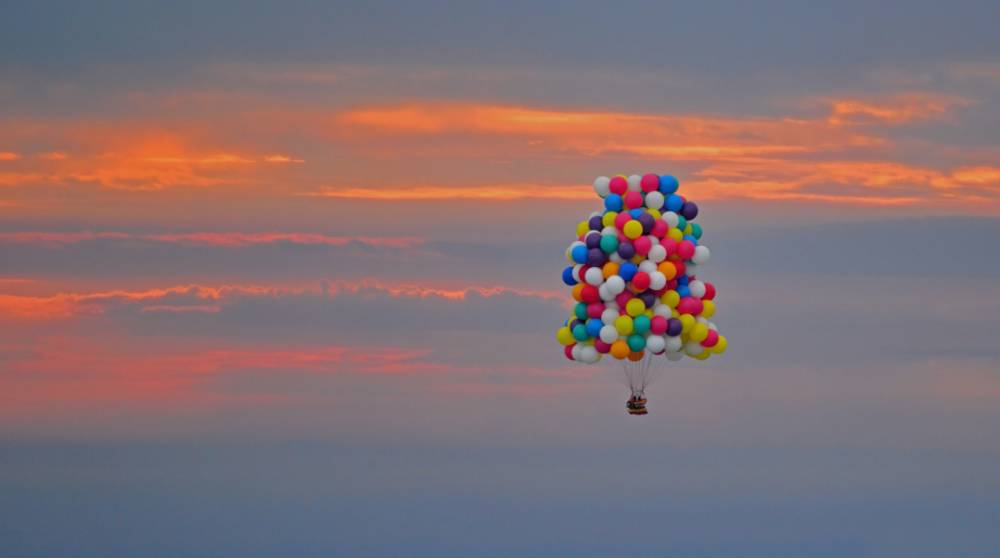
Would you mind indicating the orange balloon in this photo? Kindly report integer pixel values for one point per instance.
(609, 269)
(578, 292)
(668, 269)
(636, 356)
(619, 349)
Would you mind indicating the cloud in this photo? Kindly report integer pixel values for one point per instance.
(215, 239)
(9, 156)
(898, 109)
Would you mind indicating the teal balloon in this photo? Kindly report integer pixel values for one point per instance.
(640, 324)
(609, 244)
(681, 222)
(636, 342)
(580, 333)
(580, 311)
(696, 230)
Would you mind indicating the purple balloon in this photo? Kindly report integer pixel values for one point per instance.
(626, 250)
(574, 322)
(596, 223)
(648, 298)
(647, 222)
(690, 210)
(596, 257)
(674, 327)
(593, 240)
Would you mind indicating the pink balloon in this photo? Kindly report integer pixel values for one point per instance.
(622, 299)
(690, 305)
(618, 185)
(621, 219)
(601, 346)
(670, 244)
(568, 349)
(658, 325)
(642, 245)
(594, 310)
(650, 183)
(633, 200)
(660, 228)
(712, 339)
(685, 249)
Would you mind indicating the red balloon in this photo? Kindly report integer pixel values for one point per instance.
(633, 200)
(568, 349)
(641, 281)
(601, 346)
(590, 294)
(690, 305)
(709, 291)
(681, 268)
(685, 249)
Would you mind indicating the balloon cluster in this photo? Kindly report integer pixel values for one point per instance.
(633, 271)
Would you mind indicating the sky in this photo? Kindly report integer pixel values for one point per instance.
(285, 277)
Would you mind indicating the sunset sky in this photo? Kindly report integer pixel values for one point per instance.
(282, 279)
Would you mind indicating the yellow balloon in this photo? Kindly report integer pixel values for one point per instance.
(703, 355)
(564, 336)
(707, 309)
(632, 229)
(635, 307)
(674, 313)
(649, 313)
(582, 228)
(687, 322)
(688, 229)
(670, 298)
(637, 259)
(609, 218)
(699, 332)
(624, 326)
(675, 234)
(720, 347)
(654, 212)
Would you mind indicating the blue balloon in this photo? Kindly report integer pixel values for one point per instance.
(691, 239)
(668, 184)
(579, 254)
(613, 202)
(628, 270)
(594, 327)
(635, 213)
(674, 203)
(683, 280)
(683, 291)
(568, 276)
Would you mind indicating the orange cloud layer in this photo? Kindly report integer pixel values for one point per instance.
(212, 299)
(899, 109)
(224, 239)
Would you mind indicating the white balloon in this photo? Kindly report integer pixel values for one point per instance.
(654, 200)
(691, 269)
(671, 218)
(611, 304)
(657, 253)
(609, 334)
(701, 320)
(615, 257)
(660, 309)
(605, 293)
(601, 186)
(656, 344)
(594, 276)
(609, 231)
(657, 280)
(712, 327)
(576, 272)
(701, 254)
(616, 284)
(693, 348)
(697, 288)
(634, 183)
(575, 352)
(609, 316)
(647, 266)
(675, 356)
(674, 344)
(588, 354)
